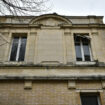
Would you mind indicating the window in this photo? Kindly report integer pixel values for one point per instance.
(90, 99)
(82, 47)
(18, 49)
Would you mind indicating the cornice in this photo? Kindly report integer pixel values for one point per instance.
(84, 26)
(9, 25)
(22, 77)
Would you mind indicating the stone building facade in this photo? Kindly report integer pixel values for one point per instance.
(52, 60)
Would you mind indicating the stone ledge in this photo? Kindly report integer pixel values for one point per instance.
(51, 65)
(8, 77)
(30, 64)
(14, 25)
(89, 90)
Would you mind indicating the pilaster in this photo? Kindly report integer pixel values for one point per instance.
(30, 47)
(8, 38)
(69, 44)
(94, 42)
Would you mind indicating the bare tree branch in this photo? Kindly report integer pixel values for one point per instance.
(21, 7)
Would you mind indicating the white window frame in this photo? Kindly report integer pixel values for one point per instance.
(18, 49)
(82, 51)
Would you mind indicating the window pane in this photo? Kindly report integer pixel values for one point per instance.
(85, 40)
(89, 100)
(86, 49)
(78, 48)
(78, 52)
(14, 49)
(22, 49)
(77, 39)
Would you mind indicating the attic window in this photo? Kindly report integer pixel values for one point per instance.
(82, 47)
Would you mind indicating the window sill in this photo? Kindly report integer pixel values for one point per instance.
(14, 62)
(84, 63)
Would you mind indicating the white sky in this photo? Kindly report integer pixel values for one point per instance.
(78, 7)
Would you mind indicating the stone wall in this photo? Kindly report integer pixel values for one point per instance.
(47, 92)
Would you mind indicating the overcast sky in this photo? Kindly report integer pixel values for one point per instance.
(79, 7)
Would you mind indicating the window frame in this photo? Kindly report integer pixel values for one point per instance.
(19, 46)
(81, 48)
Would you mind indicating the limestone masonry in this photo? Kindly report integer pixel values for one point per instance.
(52, 60)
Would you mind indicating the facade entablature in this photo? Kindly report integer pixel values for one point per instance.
(72, 19)
(52, 20)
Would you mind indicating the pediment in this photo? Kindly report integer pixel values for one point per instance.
(50, 20)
